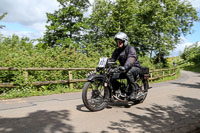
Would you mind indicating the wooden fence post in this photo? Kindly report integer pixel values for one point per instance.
(175, 71)
(163, 74)
(70, 78)
(26, 77)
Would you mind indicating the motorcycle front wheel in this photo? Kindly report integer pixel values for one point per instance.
(95, 95)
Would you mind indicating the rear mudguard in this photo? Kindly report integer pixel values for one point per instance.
(94, 77)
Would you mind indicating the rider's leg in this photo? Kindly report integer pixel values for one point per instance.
(131, 75)
(116, 84)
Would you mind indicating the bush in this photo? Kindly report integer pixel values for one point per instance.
(21, 53)
(191, 54)
(146, 62)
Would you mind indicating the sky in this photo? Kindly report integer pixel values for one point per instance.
(28, 18)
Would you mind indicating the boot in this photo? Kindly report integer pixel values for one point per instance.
(134, 87)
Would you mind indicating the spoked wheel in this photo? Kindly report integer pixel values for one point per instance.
(142, 93)
(95, 95)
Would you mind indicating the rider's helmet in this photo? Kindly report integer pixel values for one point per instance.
(122, 36)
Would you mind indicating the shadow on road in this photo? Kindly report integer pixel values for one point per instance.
(196, 86)
(38, 122)
(183, 118)
(82, 108)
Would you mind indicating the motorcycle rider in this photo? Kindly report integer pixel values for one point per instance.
(127, 57)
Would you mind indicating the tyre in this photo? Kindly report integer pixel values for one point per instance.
(143, 85)
(95, 95)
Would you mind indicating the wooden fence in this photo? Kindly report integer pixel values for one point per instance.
(154, 74)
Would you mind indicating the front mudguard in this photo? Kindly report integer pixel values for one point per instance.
(94, 77)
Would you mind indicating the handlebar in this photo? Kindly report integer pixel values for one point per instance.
(112, 63)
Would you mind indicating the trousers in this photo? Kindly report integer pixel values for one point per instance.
(132, 76)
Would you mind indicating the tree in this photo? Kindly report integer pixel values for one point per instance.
(192, 53)
(166, 21)
(152, 26)
(65, 25)
(98, 38)
(1, 17)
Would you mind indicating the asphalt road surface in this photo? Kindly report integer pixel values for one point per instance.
(170, 107)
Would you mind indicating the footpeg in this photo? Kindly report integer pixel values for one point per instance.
(140, 95)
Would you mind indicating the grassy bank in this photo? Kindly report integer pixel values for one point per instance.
(167, 78)
(192, 67)
(42, 91)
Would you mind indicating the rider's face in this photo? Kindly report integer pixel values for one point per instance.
(120, 43)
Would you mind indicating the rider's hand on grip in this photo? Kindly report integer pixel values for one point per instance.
(121, 68)
(111, 60)
(118, 69)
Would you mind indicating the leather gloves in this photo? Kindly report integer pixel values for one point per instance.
(121, 68)
(111, 60)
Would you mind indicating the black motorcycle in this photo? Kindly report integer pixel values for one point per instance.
(107, 84)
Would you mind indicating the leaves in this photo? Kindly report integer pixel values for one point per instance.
(1, 17)
(20, 53)
(152, 26)
(192, 53)
(66, 24)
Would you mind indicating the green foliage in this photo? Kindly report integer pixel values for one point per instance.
(152, 26)
(192, 67)
(192, 53)
(1, 17)
(166, 78)
(43, 90)
(146, 62)
(174, 61)
(190, 58)
(20, 53)
(66, 24)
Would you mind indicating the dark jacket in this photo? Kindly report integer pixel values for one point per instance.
(126, 56)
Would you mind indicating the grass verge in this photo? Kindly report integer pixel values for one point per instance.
(192, 67)
(42, 91)
(167, 78)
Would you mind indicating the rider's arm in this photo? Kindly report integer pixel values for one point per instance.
(131, 58)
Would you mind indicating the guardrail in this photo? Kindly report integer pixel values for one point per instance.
(154, 74)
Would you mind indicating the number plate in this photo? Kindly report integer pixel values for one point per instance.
(102, 62)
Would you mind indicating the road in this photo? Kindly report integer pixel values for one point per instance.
(171, 107)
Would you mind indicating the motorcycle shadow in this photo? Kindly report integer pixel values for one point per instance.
(82, 108)
(110, 105)
(120, 105)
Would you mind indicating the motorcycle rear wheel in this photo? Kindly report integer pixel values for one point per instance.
(95, 95)
(144, 86)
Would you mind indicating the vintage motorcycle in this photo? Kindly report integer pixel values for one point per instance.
(106, 85)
